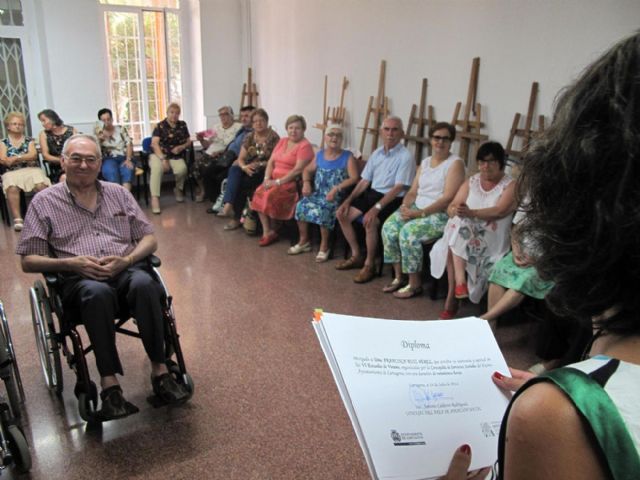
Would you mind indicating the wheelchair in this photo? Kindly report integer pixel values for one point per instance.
(14, 448)
(53, 337)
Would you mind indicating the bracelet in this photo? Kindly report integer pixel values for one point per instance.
(278, 182)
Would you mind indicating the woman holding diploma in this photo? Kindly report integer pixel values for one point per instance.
(582, 422)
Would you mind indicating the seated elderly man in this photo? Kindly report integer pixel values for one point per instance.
(388, 174)
(94, 234)
(213, 155)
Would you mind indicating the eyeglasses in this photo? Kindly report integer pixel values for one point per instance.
(438, 138)
(224, 114)
(334, 135)
(76, 159)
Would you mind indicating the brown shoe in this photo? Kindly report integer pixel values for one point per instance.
(353, 262)
(365, 274)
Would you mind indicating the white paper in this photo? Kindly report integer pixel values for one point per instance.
(417, 390)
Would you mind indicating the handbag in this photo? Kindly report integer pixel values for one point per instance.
(248, 219)
(225, 159)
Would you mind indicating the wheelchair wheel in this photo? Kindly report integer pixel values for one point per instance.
(11, 375)
(181, 379)
(87, 401)
(19, 448)
(48, 348)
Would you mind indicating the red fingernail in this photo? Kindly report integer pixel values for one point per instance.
(498, 375)
(466, 449)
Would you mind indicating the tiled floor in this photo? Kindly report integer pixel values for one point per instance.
(265, 405)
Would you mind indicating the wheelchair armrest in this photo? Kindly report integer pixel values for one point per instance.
(154, 261)
(51, 279)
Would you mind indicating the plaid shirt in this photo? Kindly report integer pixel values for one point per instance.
(56, 225)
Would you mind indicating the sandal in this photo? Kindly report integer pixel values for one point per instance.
(232, 225)
(353, 262)
(18, 224)
(268, 240)
(298, 248)
(408, 292)
(448, 314)
(396, 284)
(322, 256)
(461, 291)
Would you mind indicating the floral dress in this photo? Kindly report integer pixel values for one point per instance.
(23, 149)
(481, 243)
(316, 208)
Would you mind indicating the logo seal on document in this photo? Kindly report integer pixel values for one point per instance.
(407, 439)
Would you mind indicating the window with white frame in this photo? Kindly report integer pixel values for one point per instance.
(143, 49)
(13, 84)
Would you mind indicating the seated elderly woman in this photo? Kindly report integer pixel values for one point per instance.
(513, 278)
(169, 141)
(333, 170)
(117, 150)
(52, 140)
(276, 198)
(422, 216)
(247, 173)
(211, 166)
(19, 157)
(581, 177)
(477, 233)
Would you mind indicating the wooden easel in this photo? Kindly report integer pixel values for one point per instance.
(337, 114)
(249, 92)
(378, 111)
(420, 122)
(332, 115)
(526, 133)
(469, 129)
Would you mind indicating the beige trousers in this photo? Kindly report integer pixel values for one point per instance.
(178, 166)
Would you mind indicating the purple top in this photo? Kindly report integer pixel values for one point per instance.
(57, 226)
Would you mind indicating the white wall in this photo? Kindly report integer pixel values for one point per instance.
(71, 36)
(223, 57)
(295, 43)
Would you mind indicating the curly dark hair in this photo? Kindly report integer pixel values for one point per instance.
(582, 180)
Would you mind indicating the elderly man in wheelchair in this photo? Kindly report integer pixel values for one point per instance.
(95, 237)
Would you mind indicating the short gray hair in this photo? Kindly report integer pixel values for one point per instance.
(84, 136)
(334, 126)
(394, 118)
(226, 107)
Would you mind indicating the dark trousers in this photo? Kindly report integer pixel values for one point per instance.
(212, 177)
(98, 304)
(246, 188)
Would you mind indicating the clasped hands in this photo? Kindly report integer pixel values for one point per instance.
(99, 268)
(462, 210)
(407, 213)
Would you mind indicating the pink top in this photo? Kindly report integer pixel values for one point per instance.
(285, 161)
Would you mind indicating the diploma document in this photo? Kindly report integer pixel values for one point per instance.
(416, 390)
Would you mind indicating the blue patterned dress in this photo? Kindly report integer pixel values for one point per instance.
(316, 208)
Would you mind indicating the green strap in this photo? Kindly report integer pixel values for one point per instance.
(608, 427)
(598, 410)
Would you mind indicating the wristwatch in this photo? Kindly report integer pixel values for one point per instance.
(378, 206)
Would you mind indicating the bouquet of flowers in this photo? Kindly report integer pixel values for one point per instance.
(208, 134)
